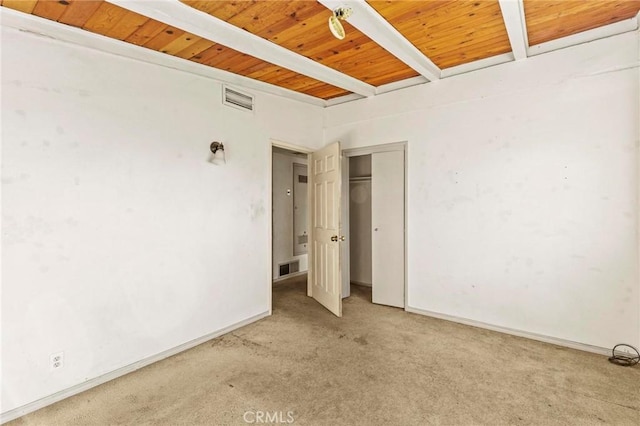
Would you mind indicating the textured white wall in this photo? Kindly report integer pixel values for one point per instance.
(119, 239)
(523, 190)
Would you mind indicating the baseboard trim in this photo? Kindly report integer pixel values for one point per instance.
(81, 387)
(361, 284)
(286, 277)
(533, 336)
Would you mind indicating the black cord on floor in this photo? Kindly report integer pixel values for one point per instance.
(622, 358)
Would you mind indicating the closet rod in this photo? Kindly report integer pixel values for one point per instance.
(359, 178)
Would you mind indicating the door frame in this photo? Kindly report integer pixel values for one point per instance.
(305, 150)
(345, 259)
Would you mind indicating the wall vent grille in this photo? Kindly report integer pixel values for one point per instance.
(236, 99)
(289, 268)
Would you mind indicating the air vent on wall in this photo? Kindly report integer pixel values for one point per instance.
(235, 99)
(289, 267)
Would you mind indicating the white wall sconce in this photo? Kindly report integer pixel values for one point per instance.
(216, 147)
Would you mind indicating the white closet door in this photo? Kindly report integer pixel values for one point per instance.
(387, 220)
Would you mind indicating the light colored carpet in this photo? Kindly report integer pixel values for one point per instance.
(375, 366)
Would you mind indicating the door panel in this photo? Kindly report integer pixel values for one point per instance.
(326, 285)
(387, 219)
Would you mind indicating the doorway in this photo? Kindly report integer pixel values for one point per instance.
(326, 262)
(290, 233)
(374, 206)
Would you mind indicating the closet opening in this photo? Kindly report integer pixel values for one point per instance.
(374, 260)
(360, 227)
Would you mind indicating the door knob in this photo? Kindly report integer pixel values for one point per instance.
(343, 238)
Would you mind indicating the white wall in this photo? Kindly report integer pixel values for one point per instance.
(283, 211)
(360, 266)
(120, 240)
(523, 190)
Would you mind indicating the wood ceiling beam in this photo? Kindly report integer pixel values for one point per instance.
(42, 27)
(513, 16)
(367, 20)
(180, 15)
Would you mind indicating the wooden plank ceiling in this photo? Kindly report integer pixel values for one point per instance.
(101, 17)
(449, 32)
(550, 20)
(301, 26)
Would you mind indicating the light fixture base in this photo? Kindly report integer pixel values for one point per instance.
(342, 12)
(335, 26)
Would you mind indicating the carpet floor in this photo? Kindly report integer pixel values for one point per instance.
(375, 366)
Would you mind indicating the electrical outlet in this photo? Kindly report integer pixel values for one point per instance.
(56, 361)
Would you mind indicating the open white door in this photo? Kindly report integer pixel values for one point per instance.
(387, 219)
(325, 278)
